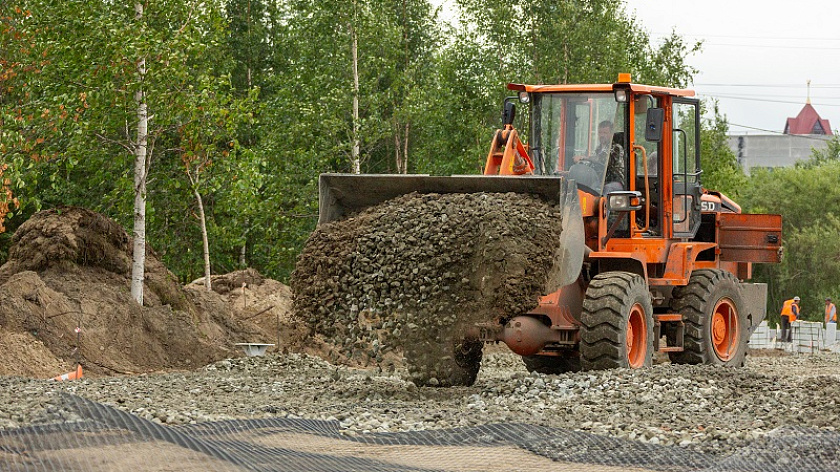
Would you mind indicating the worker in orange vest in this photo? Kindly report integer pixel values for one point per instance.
(830, 312)
(790, 311)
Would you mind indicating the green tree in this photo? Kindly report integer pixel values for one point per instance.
(831, 153)
(721, 170)
(462, 109)
(315, 119)
(807, 197)
(811, 268)
(126, 75)
(300, 88)
(249, 39)
(574, 41)
(529, 41)
(207, 136)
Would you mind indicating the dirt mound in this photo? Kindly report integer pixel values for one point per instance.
(69, 268)
(416, 271)
(28, 357)
(69, 234)
(250, 297)
(226, 283)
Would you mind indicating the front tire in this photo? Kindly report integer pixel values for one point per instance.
(617, 323)
(715, 330)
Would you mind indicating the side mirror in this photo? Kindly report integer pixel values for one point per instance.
(653, 124)
(624, 201)
(509, 113)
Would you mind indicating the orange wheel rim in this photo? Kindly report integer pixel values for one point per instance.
(636, 337)
(725, 329)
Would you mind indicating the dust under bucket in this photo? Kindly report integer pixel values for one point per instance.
(254, 349)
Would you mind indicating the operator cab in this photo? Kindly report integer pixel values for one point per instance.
(586, 136)
(609, 140)
(583, 134)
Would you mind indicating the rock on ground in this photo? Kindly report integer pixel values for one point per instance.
(702, 408)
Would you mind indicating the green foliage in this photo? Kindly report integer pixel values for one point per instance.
(821, 156)
(252, 99)
(87, 80)
(808, 198)
(585, 41)
(721, 171)
(811, 269)
(463, 109)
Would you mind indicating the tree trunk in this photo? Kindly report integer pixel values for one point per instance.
(138, 263)
(397, 146)
(401, 147)
(565, 63)
(355, 156)
(243, 262)
(403, 164)
(404, 169)
(203, 222)
(250, 42)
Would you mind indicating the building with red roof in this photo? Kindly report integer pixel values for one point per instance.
(808, 121)
(802, 136)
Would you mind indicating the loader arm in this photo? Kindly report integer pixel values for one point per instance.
(508, 155)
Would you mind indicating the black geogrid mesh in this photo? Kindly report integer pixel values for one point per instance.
(110, 439)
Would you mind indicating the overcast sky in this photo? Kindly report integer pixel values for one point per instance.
(757, 55)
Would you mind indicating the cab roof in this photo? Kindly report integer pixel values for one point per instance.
(636, 88)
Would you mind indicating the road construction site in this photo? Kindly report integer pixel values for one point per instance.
(667, 417)
(160, 373)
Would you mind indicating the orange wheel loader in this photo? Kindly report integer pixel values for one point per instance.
(649, 255)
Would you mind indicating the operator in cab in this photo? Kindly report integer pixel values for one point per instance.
(609, 153)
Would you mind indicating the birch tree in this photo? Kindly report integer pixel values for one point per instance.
(355, 157)
(141, 168)
(126, 74)
(207, 138)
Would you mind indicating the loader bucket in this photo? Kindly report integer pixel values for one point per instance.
(345, 194)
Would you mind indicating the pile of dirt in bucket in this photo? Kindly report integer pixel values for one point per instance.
(69, 268)
(414, 273)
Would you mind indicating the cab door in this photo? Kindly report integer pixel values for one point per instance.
(685, 155)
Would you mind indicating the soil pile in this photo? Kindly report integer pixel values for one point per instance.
(416, 271)
(250, 297)
(70, 267)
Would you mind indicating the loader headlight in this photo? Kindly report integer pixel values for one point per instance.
(524, 97)
(622, 95)
(624, 201)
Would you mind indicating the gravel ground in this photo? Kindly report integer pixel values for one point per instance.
(700, 408)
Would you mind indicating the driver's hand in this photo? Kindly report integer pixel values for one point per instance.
(579, 158)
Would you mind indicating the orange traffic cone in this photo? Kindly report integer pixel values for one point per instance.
(77, 374)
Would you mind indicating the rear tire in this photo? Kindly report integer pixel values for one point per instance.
(617, 323)
(715, 330)
(551, 365)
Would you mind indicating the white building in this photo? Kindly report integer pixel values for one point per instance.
(804, 133)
